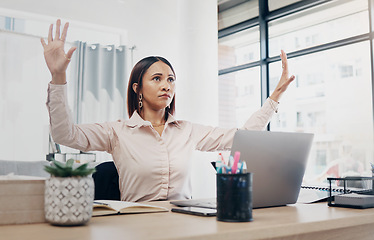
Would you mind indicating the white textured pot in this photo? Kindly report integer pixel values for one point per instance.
(68, 201)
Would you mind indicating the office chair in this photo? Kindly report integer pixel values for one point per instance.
(106, 182)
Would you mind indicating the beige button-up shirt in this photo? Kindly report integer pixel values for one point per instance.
(150, 166)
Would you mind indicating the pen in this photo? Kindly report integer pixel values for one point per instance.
(244, 167)
(230, 162)
(101, 203)
(241, 167)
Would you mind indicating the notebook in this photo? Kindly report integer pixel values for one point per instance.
(277, 161)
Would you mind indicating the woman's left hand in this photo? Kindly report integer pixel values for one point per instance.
(284, 81)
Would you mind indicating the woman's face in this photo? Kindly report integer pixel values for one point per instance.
(158, 86)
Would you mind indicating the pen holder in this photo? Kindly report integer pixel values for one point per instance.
(234, 197)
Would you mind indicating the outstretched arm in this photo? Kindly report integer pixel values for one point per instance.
(212, 139)
(55, 57)
(85, 137)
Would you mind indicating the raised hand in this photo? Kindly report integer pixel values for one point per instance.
(56, 58)
(284, 81)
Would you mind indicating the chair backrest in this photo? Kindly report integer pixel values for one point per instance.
(106, 182)
(27, 168)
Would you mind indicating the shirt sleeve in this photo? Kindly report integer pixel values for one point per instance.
(220, 139)
(84, 137)
(261, 118)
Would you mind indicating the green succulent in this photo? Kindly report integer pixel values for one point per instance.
(59, 169)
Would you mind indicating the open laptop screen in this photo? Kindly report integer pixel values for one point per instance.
(277, 161)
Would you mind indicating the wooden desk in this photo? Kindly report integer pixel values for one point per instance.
(299, 221)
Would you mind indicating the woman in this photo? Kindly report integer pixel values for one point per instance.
(152, 149)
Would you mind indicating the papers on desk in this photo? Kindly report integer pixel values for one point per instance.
(315, 194)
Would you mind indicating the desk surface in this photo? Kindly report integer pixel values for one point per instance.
(299, 221)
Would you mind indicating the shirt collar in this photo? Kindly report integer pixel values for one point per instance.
(137, 121)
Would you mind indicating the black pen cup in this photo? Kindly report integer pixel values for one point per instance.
(234, 197)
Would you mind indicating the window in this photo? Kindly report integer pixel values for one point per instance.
(235, 11)
(276, 4)
(322, 24)
(332, 96)
(337, 108)
(12, 24)
(240, 48)
(239, 96)
(346, 71)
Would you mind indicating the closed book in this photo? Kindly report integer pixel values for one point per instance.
(354, 199)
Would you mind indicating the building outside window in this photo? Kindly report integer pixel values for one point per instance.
(329, 49)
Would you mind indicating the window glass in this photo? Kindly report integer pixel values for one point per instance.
(239, 96)
(12, 24)
(18, 25)
(236, 11)
(332, 98)
(239, 48)
(276, 4)
(319, 25)
(3, 23)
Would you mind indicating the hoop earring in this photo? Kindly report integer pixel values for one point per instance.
(140, 101)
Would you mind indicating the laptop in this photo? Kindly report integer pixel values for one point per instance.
(277, 161)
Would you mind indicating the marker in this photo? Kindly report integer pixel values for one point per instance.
(222, 159)
(219, 165)
(236, 160)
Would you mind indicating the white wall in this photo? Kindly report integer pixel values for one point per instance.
(197, 84)
(183, 31)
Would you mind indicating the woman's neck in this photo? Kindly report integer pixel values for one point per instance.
(155, 117)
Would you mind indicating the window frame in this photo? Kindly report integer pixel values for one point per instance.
(262, 21)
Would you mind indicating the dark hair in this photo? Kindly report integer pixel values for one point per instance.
(136, 76)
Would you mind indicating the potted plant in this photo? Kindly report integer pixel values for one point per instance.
(69, 193)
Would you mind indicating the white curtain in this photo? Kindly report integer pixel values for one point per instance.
(100, 75)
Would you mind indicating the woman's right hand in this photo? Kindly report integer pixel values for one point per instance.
(56, 58)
